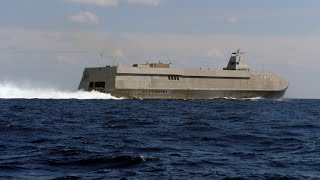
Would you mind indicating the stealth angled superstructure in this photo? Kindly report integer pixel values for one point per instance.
(160, 81)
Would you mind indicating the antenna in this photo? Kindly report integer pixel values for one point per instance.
(239, 52)
(101, 58)
(118, 61)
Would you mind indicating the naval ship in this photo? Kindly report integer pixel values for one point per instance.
(160, 81)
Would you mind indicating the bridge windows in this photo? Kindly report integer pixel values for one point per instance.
(173, 77)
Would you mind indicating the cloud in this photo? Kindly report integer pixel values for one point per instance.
(116, 2)
(215, 53)
(67, 59)
(84, 17)
(146, 2)
(97, 2)
(232, 19)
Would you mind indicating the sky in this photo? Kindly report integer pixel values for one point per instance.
(48, 43)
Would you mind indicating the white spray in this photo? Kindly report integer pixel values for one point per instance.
(9, 90)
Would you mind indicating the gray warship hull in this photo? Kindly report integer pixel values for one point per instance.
(171, 83)
(201, 94)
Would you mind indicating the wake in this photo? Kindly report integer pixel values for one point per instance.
(12, 91)
(252, 99)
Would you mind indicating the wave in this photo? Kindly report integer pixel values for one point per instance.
(252, 99)
(11, 91)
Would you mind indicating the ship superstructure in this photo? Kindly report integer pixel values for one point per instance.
(160, 81)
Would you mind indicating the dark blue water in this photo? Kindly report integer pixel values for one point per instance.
(159, 139)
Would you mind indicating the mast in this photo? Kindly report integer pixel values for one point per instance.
(236, 62)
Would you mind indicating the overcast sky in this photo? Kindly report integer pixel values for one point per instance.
(49, 42)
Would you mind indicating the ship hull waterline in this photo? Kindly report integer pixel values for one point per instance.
(196, 94)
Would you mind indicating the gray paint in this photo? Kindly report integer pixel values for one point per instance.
(159, 81)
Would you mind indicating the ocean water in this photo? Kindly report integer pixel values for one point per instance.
(99, 137)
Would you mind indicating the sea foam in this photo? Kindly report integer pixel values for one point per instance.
(10, 90)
